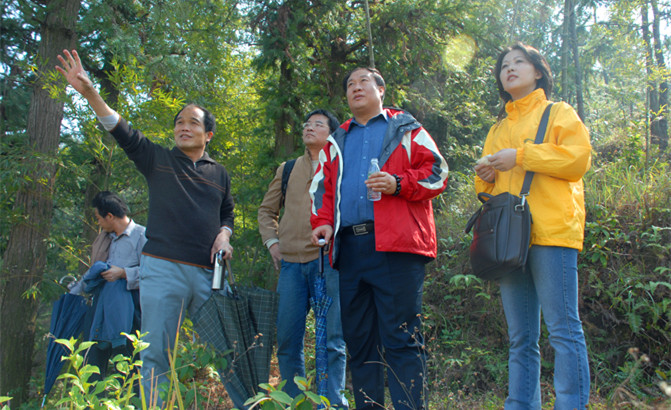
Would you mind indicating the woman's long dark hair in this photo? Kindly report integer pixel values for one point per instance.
(537, 60)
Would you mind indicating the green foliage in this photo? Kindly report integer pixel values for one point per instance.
(633, 381)
(624, 276)
(18, 49)
(625, 265)
(113, 392)
(275, 399)
(193, 369)
(259, 65)
(463, 322)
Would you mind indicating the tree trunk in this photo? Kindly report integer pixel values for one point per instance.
(25, 256)
(660, 131)
(285, 123)
(576, 61)
(649, 62)
(565, 52)
(652, 98)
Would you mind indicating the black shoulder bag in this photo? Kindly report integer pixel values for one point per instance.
(502, 227)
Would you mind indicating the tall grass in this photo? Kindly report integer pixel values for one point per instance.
(625, 285)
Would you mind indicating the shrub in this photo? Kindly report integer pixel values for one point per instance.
(624, 282)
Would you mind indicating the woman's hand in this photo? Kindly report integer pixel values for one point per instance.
(503, 160)
(486, 173)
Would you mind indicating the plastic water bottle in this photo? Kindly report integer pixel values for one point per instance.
(374, 167)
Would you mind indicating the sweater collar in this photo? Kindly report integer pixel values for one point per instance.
(178, 152)
(525, 105)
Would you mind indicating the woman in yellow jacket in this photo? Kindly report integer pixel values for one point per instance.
(550, 280)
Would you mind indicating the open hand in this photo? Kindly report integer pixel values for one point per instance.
(74, 73)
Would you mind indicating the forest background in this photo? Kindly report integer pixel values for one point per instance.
(259, 66)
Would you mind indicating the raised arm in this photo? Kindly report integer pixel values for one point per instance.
(74, 73)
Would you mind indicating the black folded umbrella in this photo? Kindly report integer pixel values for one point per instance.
(240, 324)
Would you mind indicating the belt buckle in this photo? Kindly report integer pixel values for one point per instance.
(360, 229)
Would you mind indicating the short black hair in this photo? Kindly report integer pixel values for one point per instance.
(209, 122)
(107, 202)
(333, 120)
(379, 80)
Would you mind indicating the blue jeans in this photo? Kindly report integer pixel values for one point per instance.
(550, 284)
(296, 286)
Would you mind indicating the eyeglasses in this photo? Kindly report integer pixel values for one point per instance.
(316, 124)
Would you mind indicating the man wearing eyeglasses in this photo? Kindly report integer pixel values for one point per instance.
(289, 242)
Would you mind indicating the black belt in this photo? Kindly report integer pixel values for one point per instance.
(360, 229)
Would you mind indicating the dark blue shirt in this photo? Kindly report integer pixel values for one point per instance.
(362, 143)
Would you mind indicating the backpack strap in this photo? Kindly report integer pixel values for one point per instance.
(540, 135)
(286, 172)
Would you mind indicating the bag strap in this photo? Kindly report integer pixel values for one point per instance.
(286, 172)
(540, 135)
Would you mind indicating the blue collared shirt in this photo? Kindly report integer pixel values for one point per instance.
(114, 305)
(125, 251)
(362, 142)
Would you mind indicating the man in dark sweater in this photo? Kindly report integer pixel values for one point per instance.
(190, 218)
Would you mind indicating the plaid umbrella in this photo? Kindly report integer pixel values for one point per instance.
(240, 324)
(320, 306)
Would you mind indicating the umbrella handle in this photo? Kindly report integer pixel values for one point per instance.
(229, 272)
(322, 242)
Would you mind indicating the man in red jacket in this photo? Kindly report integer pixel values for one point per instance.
(380, 247)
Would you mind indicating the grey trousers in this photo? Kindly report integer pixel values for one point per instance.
(167, 291)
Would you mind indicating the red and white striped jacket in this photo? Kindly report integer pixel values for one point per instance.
(403, 223)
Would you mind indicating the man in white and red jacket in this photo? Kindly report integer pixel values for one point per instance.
(381, 247)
